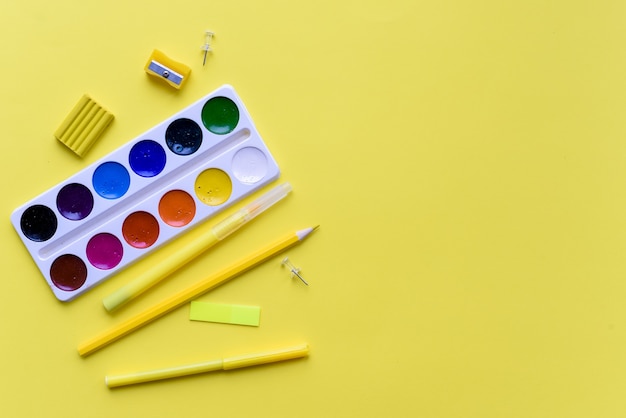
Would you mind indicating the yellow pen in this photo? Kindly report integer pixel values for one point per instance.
(227, 363)
(169, 265)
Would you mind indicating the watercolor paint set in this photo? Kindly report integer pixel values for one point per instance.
(149, 191)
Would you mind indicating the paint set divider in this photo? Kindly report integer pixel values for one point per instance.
(174, 176)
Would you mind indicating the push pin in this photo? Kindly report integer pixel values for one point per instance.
(208, 36)
(294, 270)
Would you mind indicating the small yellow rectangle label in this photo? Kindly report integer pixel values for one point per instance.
(225, 313)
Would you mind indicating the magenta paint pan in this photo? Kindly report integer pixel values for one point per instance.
(144, 194)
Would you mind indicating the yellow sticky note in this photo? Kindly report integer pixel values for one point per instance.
(225, 313)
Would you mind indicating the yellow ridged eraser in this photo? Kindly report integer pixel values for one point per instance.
(83, 125)
(225, 313)
(164, 68)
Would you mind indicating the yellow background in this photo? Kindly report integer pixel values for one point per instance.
(466, 161)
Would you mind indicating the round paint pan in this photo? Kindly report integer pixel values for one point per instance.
(68, 272)
(249, 165)
(177, 208)
(183, 136)
(147, 158)
(140, 230)
(104, 251)
(74, 201)
(213, 187)
(111, 180)
(220, 115)
(38, 223)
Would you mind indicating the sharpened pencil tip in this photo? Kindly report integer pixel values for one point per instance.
(305, 232)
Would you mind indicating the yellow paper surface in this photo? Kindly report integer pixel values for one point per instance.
(466, 161)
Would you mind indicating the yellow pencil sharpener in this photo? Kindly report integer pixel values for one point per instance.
(164, 68)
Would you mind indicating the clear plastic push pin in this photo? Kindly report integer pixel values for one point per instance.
(294, 270)
(208, 36)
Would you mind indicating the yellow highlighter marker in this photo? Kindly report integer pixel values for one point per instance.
(167, 266)
(227, 363)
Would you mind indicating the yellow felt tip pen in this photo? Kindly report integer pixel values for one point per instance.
(169, 265)
(227, 363)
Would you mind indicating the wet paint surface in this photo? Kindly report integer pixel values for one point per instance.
(75, 202)
(177, 208)
(147, 158)
(183, 137)
(140, 229)
(220, 115)
(38, 223)
(249, 165)
(104, 251)
(111, 180)
(213, 187)
(68, 272)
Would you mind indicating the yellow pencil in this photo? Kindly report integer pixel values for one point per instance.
(192, 292)
(169, 265)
